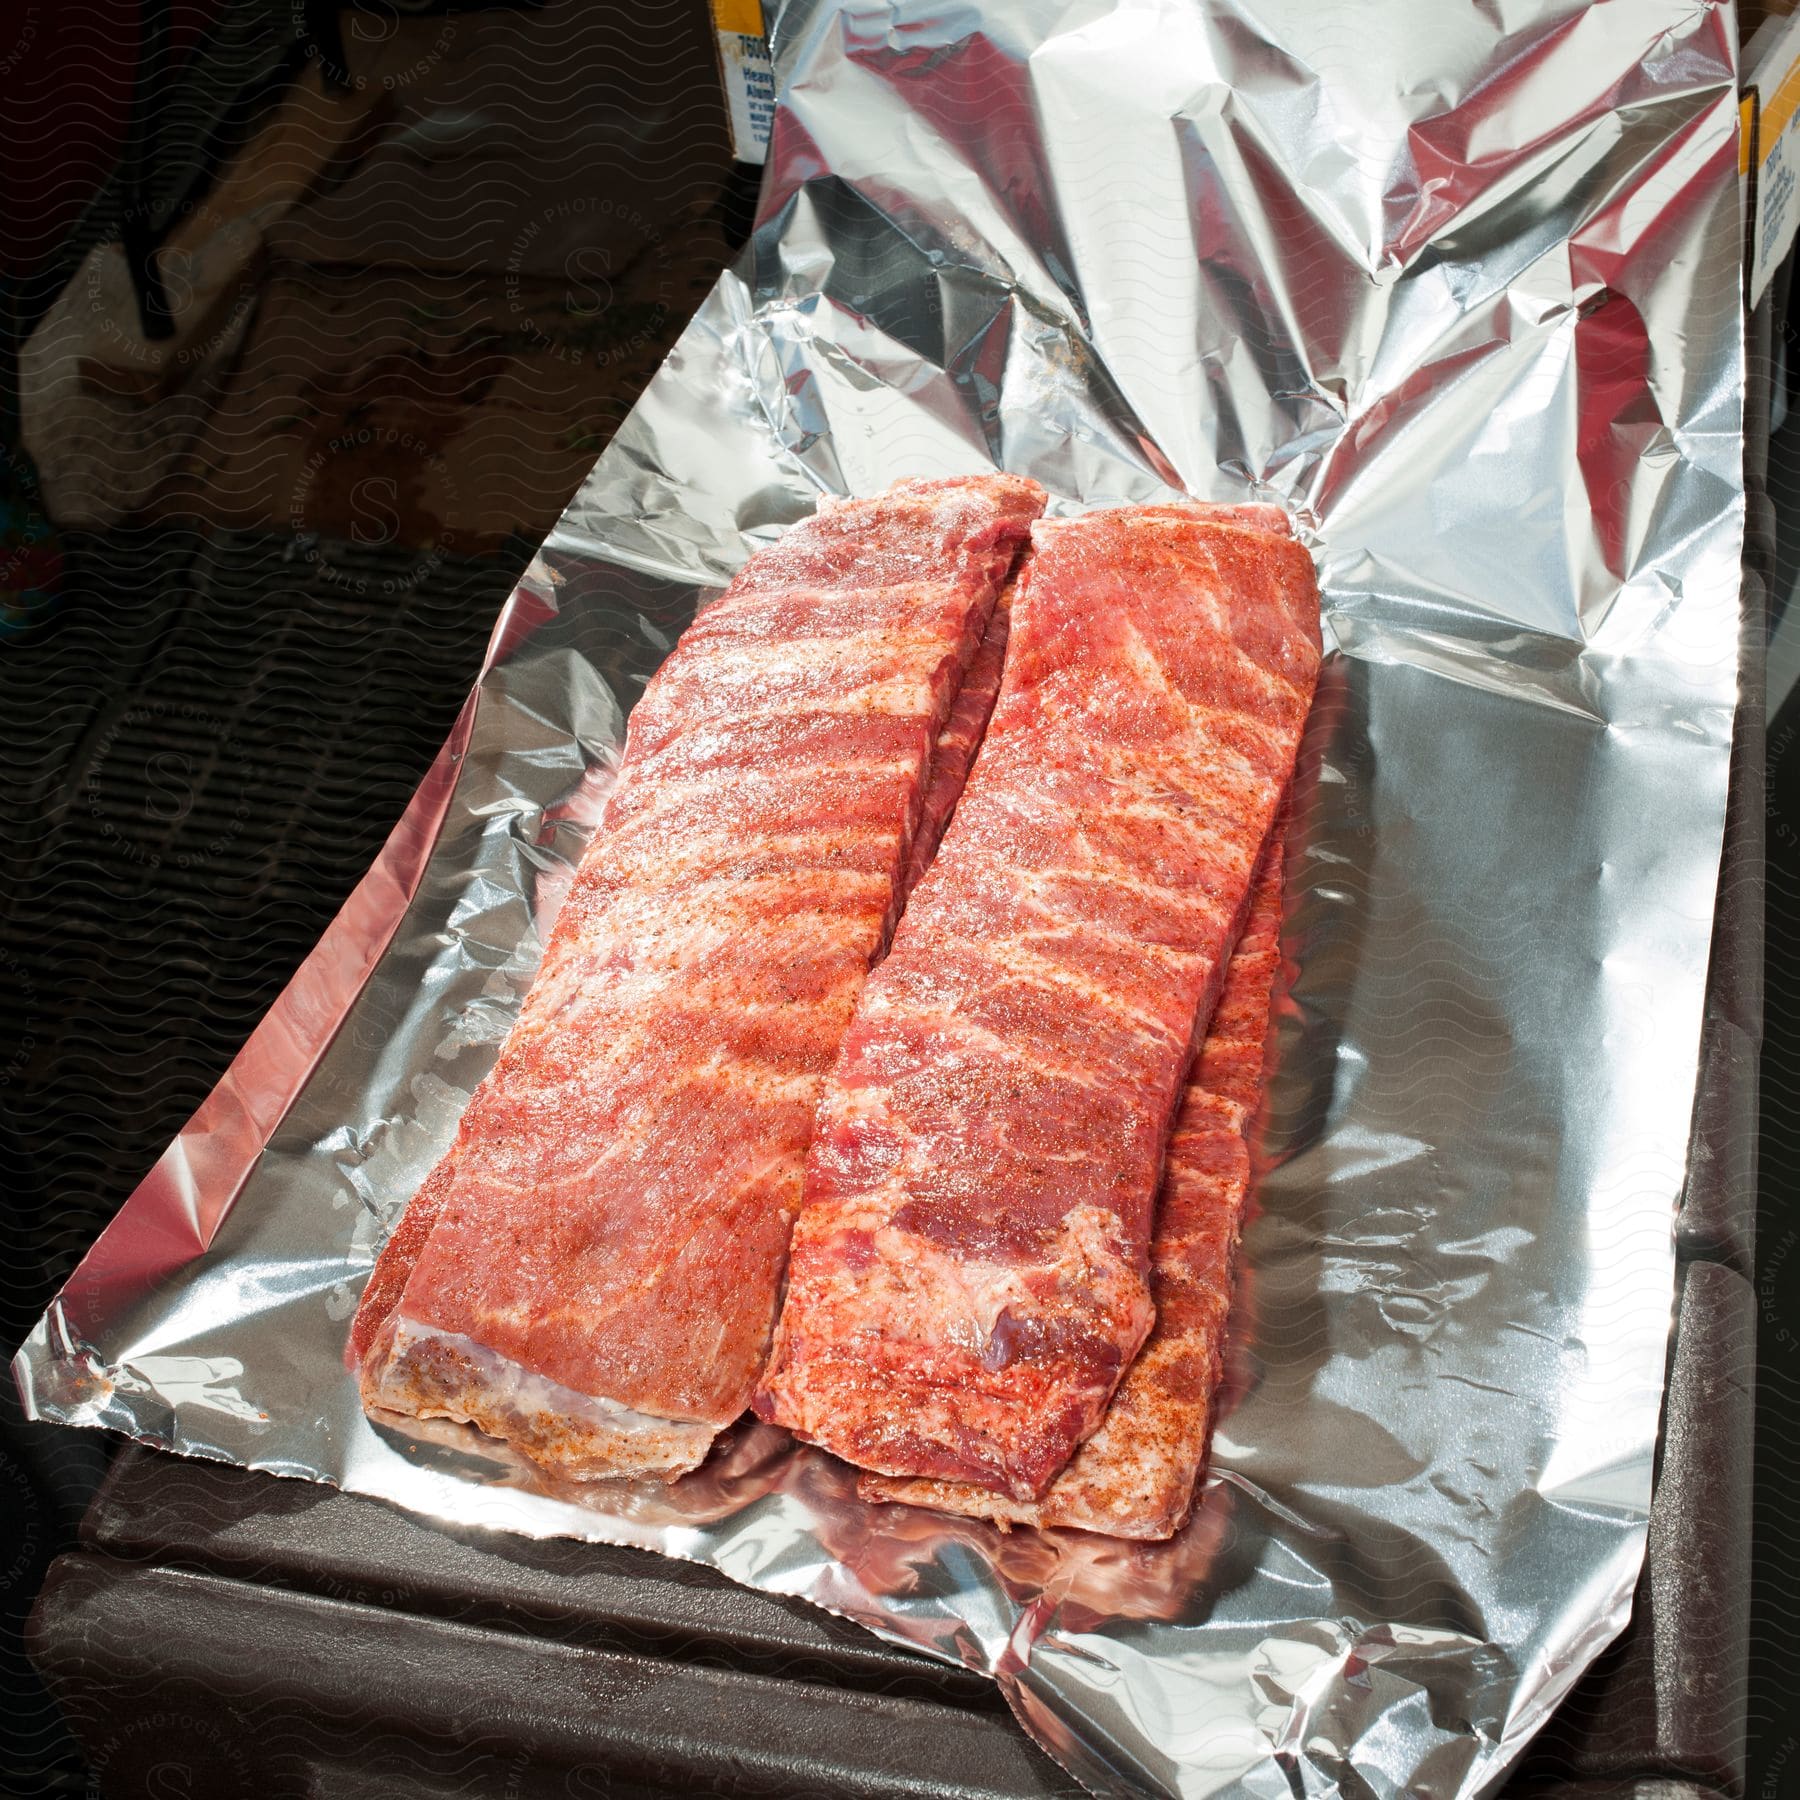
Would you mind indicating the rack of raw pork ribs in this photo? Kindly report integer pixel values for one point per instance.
(890, 1064)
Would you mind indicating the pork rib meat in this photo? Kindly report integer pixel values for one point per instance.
(1136, 1476)
(969, 1273)
(595, 1270)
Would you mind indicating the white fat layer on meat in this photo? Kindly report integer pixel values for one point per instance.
(740, 901)
(754, 599)
(1152, 673)
(759, 1087)
(1026, 968)
(503, 1398)
(868, 1098)
(1034, 883)
(665, 952)
(930, 1292)
(810, 660)
(903, 696)
(669, 793)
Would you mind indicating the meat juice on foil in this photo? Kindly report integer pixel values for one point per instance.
(1459, 289)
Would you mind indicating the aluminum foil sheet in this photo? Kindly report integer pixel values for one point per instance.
(1459, 287)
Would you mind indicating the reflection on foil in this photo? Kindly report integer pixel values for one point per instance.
(1463, 296)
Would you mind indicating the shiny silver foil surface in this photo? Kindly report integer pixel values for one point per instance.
(1458, 286)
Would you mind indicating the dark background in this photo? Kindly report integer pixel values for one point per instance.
(415, 263)
(420, 260)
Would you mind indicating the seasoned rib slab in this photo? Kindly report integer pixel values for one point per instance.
(968, 1275)
(596, 1272)
(1136, 1476)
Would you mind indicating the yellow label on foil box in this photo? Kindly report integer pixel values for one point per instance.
(748, 76)
(1772, 101)
(742, 16)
